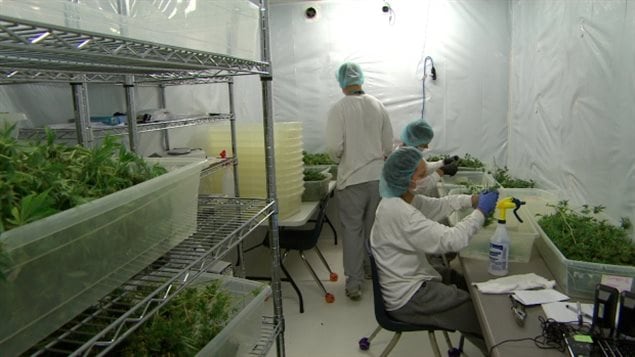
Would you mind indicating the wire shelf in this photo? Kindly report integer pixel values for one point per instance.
(59, 48)
(268, 332)
(118, 130)
(221, 224)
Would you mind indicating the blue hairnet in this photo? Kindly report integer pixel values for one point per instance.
(397, 171)
(349, 74)
(416, 133)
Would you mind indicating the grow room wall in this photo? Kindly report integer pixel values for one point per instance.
(572, 84)
(545, 87)
(468, 42)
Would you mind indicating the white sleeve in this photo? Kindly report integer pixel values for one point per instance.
(433, 166)
(386, 134)
(435, 238)
(428, 187)
(439, 208)
(335, 134)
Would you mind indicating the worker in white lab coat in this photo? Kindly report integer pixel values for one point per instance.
(418, 133)
(406, 230)
(358, 137)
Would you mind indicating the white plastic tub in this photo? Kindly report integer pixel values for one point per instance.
(66, 262)
(521, 234)
(463, 178)
(242, 331)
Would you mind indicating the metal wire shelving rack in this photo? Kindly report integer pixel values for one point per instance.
(221, 224)
(34, 52)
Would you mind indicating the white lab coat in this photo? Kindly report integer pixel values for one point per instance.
(358, 137)
(404, 233)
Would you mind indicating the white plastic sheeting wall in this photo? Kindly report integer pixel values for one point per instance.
(553, 100)
(572, 110)
(467, 40)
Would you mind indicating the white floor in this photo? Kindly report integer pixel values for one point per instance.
(333, 330)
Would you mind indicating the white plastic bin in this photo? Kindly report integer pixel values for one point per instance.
(464, 178)
(522, 235)
(242, 331)
(66, 262)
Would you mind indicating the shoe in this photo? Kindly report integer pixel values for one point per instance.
(354, 294)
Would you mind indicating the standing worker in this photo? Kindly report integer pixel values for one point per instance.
(358, 137)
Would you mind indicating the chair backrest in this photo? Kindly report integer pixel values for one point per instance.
(381, 315)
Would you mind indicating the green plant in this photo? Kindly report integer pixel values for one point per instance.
(316, 159)
(41, 178)
(5, 263)
(436, 158)
(313, 175)
(471, 162)
(185, 325)
(502, 176)
(579, 235)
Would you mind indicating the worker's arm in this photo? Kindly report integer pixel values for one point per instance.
(335, 134)
(386, 134)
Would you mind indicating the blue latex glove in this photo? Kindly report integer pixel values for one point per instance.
(487, 202)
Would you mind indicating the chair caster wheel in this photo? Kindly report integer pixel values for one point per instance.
(454, 352)
(333, 277)
(329, 298)
(364, 344)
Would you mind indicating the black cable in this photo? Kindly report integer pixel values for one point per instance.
(552, 335)
(433, 75)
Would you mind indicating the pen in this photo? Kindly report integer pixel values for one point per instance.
(579, 312)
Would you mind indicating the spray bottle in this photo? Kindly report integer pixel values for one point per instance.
(499, 243)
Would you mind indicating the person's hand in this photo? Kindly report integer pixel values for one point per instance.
(450, 160)
(487, 202)
(450, 169)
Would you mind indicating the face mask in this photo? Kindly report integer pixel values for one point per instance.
(416, 185)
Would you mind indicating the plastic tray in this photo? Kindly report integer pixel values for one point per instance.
(242, 331)
(65, 263)
(522, 235)
(461, 178)
(577, 278)
(316, 190)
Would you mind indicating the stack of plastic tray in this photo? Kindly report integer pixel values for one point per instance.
(464, 178)
(522, 235)
(251, 162)
(66, 262)
(575, 278)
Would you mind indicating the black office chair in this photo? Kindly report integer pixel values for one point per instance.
(301, 240)
(386, 322)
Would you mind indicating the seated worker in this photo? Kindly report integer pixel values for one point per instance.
(418, 134)
(406, 229)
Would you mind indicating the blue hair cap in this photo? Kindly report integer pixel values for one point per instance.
(397, 171)
(417, 133)
(349, 74)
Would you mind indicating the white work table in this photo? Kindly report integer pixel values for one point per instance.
(495, 314)
(307, 210)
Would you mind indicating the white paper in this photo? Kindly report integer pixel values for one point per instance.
(560, 312)
(621, 283)
(535, 297)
